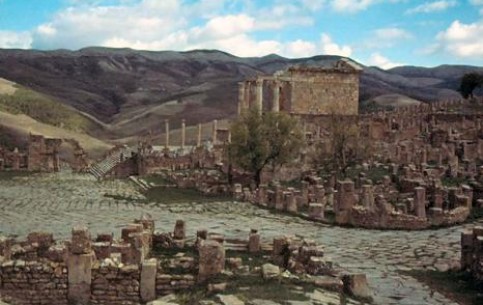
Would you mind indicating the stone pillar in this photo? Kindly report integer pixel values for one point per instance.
(259, 94)
(183, 133)
(276, 97)
(166, 130)
(79, 266)
(211, 259)
(278, 198)
(279, 245)
(305, 193)
(241, 98)
(147, 285)
(420, 201)
(179, 230)
(367, 196)
(345, 199)
(198, 142)
(254, 241)
(291, 202)
(466, 249)
(316, 211)
(215, 128)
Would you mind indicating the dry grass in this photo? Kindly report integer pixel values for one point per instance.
(7, 87)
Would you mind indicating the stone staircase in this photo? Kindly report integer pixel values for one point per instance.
(103, 167)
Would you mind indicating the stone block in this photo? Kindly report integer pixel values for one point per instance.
(211, 260)
(254, 242)
(316, 211)
(148, 280)
(179, 230)
(81, 240)
(131, 228)
(270, 271)
(79, 268)
(356, 285)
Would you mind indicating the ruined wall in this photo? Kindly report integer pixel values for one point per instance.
(33, 283)
(325, 93)
(116, 286)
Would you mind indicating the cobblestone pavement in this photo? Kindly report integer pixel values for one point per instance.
(56, 202)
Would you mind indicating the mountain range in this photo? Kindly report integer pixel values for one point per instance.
(124, 92)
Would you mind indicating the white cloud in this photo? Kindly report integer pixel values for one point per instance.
(15, 40)
(331, 48)
(379, 60)
(386, 37)
(392, 33)
(430, 7)
(350, 6)
(300, 48)
(461, 40)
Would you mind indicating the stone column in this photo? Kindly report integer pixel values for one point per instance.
(259, 99)
(254, 241)
(276, 97)
(79, 266)
(179, 230)
(166, 130)
(183, 133)
(147, 285)
(211, 259)
(198, 141)
(241, 98)
(215, 128)
(420, 201)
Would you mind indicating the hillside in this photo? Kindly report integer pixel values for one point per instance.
(130, 92)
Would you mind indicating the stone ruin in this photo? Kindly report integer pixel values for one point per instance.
(42, 155)
(304, 90)
(134, 270)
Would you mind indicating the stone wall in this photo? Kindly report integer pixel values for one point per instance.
(33, 282)
(116, 285)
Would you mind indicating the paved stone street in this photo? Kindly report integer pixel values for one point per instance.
(56, 202)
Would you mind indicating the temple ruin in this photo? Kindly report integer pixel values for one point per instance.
(305, 90)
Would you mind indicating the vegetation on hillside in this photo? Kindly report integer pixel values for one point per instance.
(44, 109)
(470, 82)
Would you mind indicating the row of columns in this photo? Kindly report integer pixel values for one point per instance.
(183, 133)
(244, 95)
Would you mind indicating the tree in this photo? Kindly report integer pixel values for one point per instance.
(344, 147)
(469, 82)
(261, 140)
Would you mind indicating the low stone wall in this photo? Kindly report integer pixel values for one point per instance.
(116, 286)
(363, 218)
(26, 283)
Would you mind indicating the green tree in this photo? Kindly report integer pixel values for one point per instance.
(344, 147)
(258, 141)
(469, 82)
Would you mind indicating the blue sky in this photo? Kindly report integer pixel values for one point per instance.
(384, 33)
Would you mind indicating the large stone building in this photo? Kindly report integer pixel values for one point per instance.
(305, 90)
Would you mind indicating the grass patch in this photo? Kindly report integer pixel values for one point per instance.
(457, 286)
(450, 181)
(8, 175)
(44, 109)
(177, 195)
(476, 213)
(157, 179)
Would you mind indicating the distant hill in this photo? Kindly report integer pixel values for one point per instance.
(127, 92)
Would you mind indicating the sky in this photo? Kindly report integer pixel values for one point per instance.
(384, 33)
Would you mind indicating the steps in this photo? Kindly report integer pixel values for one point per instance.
(101, 168)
